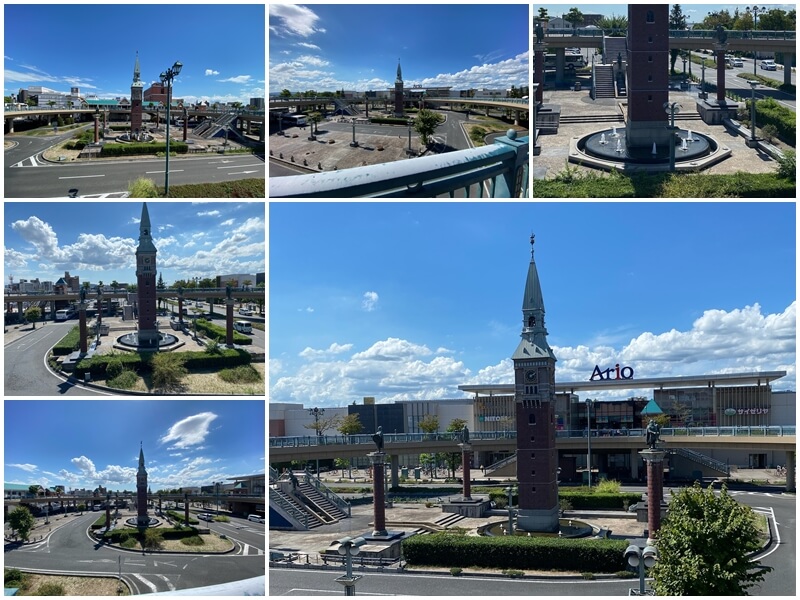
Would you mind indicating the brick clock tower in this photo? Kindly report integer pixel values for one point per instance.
(146, 282)
(142, 520)
(398, 92)
(648, 75)
(534, 395)
(136, 101)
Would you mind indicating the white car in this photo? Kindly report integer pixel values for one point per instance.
(738, 62)
(205, 517)
(246, 312)
(769, 65)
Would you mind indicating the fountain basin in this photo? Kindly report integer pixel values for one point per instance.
(700, 154)
(568, 528)
(133, 522)
(131, 341)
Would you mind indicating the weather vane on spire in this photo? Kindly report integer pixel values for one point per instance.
(533, 239)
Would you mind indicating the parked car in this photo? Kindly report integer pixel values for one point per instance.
(246, 312)
(738, 62)
(769, 65)
(205, 517)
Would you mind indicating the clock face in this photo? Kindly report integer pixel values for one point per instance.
(147, 261)
(530, 376)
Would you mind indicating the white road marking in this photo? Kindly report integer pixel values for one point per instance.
(171, 171)
(241, 166)
(150, 586)
(167, 581)
(241, 172)
(80, 176)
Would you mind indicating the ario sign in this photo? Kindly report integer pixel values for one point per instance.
(611, 373)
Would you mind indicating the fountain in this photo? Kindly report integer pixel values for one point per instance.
(684, 145)
(654, 152)
(131, 340)
(603, 139)
(614, 133)
(619, 146)
(134, 522)
(567, 529)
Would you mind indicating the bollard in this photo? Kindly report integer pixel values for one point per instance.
(319, 166)
(292, 157)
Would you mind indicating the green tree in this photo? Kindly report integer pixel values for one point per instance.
(33, 490)
(350, 425)
(33, 314)
(341, 463)
(456, 425)
(425, 124)
(677, 20)
(322, 423)
(614, 22)
(152, 539)
(21, 520)
(777, 19)
(574, 17)
(315, 118)
(160, 285)
(428, 461)
(453, 459)
(429, 424)
(285, 93)
(703, 546)
(543, 13)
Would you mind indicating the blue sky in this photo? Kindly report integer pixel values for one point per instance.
(356, 46)
(94, 46)
(83, 444)
(410, 300)
(694, 13)
(97, 241)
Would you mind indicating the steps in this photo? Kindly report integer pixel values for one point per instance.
(603, 81)
(613, 47)
(290, 506)
(331, 512)
(702, 459)
(592, 119)
(344, 107)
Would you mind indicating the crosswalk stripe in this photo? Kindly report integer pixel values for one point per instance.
(151, 586)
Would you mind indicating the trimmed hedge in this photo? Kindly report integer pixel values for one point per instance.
(143, 148)
(100, 523)
(582, 500)
(118, 536)
(217, 332)
(98, 365)
(444, 550)
(69, 343)
(769, 112)
(389, 120)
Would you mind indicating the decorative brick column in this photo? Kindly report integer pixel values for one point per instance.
(229, 322)
(790, 480)
(82, 326)
(180, 309)
(655, 490)
(466, 457)
(538, 73)
(379, 503)
(96, 129)
(719, 51)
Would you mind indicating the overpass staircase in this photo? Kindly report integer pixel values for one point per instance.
(347, 109)
(613, 47)
(505, 467)
(708, 465)
(311, 504)
(209, 129)
(603, 82)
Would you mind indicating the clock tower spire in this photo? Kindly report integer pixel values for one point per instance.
(534, 395)
(146, 282)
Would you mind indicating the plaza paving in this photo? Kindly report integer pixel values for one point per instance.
(555, 148)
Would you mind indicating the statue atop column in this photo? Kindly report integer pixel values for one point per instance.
(463, 435)
(653, 434)
(539, 33)
(377, 437)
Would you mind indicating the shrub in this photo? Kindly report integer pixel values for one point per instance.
(152, 539)
(124, 381)
(143, 188)
(455, 571)
(513, 573)
(100, 523)
(218, 333)
(143, 148)
(787, 166)
(114, 368)
(69, 343)
(608, 486)
(194, 540)
(240, 374)
(50, 589)
(769, 131)
(168, 371)
(129, 543)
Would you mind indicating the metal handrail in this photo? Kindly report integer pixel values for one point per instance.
(328, 493)
(298, 515)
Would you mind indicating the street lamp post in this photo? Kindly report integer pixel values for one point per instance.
(671, 108)
(349, 547)
(641, 556)
(755, 10)
(703, 79)
(167, 78)
(685, 85)
(589, 402)
(317, 413)
(752, 142)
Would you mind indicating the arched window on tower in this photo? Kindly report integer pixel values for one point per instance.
(651, 16)
(531, 321)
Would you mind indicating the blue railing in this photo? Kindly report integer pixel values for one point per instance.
(394, 438)
(501, 168)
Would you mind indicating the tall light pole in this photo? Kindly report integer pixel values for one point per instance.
(703, 82)
(671, 108)
(167, 78)
(753, 142)
(589, 402)
(317, 413)
(755, 10)
(510, 491)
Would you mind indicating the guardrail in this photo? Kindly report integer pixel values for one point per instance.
(502, 166)
(677, 33)
(328, 493)
(389, 438)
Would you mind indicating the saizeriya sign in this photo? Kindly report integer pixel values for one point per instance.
(612, 373)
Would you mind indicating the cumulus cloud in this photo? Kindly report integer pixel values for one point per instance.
(190, 431)
(208, 213)
(211, 72)
(307, 45)
(87, 471)
(237, 79)
(370, 301)
(720, 341)
(315, 61)
(228, 222)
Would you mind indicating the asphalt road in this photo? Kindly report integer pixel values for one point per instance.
(28, 177)
(69, 549)
(781, 555)
(25, 372)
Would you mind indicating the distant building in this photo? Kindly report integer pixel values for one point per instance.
(237, 279)
(257, 103)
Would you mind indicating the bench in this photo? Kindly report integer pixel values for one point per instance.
(378, 561)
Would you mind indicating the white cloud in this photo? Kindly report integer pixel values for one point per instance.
(307, 309)
(227, 222)
(25, 466)
(719, 341)
(211, 72)
(237, 79)
(333, 349)
(315, 61)
(190, 431)
(305, 45)
(293, 20)
(208, 213)
(370, 301)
